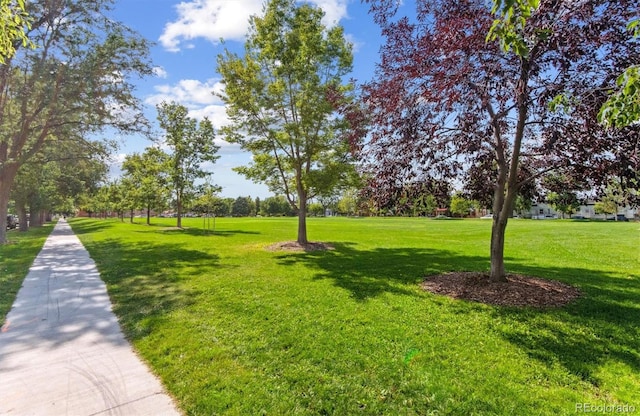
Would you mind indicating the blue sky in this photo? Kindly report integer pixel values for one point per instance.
(187, 36)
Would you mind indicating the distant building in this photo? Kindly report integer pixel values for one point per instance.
(546, 211)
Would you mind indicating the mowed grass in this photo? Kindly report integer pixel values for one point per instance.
(15, 259)
(234, 328)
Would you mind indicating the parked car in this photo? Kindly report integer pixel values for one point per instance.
(12, 222)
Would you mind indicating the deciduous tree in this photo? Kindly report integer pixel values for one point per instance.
(54, 178)
(460, 205)
(444, 97)
(276, 206)
(243, 206)
(278, 100)
(192, 144)
(73, 85)
(148, 175)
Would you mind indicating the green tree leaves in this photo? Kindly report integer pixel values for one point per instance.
(192, 143)
(508, 27)
(14, 23)
(277, 98)
(75, 83)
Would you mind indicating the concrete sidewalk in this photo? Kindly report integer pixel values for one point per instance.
(61, 348)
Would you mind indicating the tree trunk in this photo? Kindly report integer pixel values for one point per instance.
(507, 184)
(498, 230)
(5, 189)
(302, 215)
(148, 215)
(7, 175)
(302, 223)
(179, 210)
(22, 217)
(35, 217)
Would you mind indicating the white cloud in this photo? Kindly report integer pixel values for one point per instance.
(227, 19)
(209, 19)
(215, 113)
(335, 10)
(188, 92)
(160, 72)
(197, 96)
(115, 165)
(356, 44)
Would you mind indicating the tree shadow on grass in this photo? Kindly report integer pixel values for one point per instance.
(199, 232)
(88, 226)
(602, 326)
(144, 280)
(370, 273)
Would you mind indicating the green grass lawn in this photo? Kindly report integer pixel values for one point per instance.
(231, 327)
(15, 259)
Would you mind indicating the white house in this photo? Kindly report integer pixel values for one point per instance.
(546, 211)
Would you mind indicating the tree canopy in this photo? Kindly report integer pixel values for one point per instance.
(278, 100)
(446, 101)
(147, 179)
(72, 86)
(192, 143)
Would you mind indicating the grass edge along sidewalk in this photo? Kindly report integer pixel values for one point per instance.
(62, 347)
(232, 327)
(16, 257)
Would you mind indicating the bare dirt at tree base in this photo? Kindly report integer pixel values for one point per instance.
(520, 290)
(295, 246)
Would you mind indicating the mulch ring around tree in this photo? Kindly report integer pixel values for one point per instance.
(520, 290)
(295, 246)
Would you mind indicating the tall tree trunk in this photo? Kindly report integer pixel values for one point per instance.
(179, 209)
(4, 209)
(36, 218)
(22, 216)
(302, 223)
(148, 214)
(302, 215)
(498, 230)
(507, 184)
(7, 175)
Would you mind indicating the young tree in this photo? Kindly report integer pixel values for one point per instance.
(563, 193)
(611, 199)
(73, 84)
(117, 198)
(444, 98)
(148, 176)
(192, 144)
(606, 206)
(566, 202)
(460, 205)
(278, 100)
